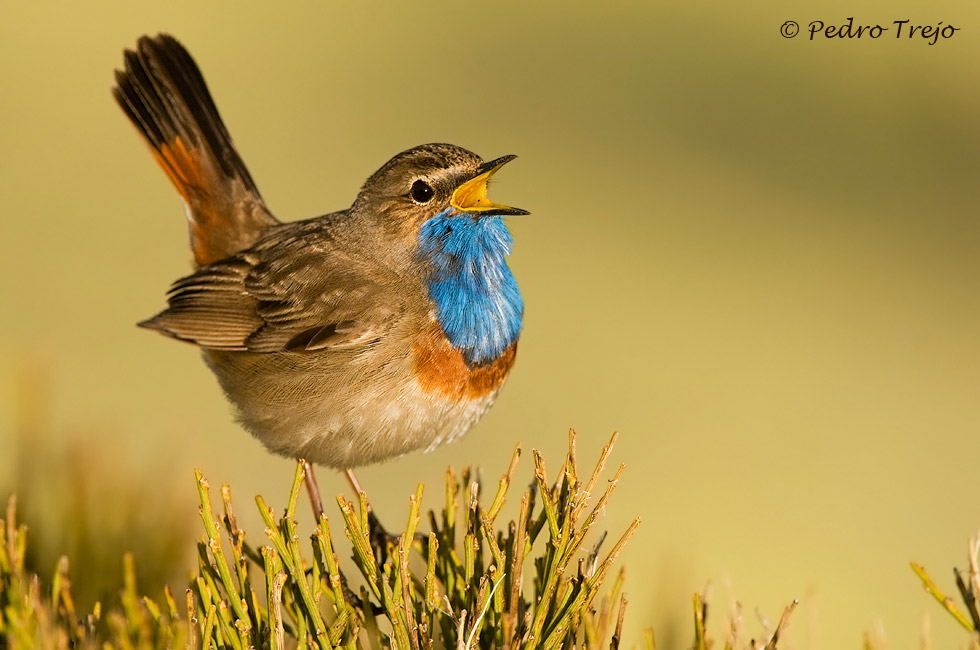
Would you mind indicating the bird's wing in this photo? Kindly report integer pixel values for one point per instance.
(293, 295)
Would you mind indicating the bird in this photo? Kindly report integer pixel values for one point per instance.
(345, 339)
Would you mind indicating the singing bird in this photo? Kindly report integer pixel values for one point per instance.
(345, 339)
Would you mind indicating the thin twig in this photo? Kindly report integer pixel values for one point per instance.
(948, 603)
(783, 621)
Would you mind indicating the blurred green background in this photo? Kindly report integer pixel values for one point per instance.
(754, 257)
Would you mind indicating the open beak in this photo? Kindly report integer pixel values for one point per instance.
(471, 196)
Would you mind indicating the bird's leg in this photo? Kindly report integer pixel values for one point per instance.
(349, 473)
(379, 536)
(314, 491)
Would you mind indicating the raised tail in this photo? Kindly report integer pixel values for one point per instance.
(163, 93)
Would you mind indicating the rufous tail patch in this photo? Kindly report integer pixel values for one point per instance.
(198, 186)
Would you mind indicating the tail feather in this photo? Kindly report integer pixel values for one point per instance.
(162, 92)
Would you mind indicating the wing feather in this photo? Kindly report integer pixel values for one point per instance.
(297, 294)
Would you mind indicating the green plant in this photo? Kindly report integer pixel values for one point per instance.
(461, 585)
(469, 582)
(968, 588)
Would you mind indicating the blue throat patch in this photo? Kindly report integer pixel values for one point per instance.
(477, 301)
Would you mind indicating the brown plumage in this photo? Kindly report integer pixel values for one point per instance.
(164, 95)
(323, 332)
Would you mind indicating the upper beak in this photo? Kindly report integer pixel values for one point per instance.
(471, 196)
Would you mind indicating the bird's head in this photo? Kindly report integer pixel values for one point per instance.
(427, 181)
(431, 203)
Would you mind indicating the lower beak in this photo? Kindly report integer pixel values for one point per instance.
(471, 196)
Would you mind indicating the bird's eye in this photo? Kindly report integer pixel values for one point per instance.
(421, 192)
